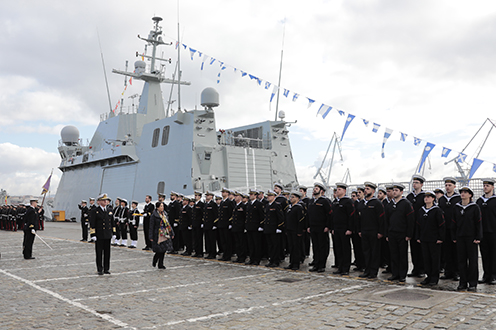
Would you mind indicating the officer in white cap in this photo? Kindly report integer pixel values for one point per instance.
(487, 205)
(343, 213)
(30, 227)
(84, 220)
(102, 227)
(416, 197)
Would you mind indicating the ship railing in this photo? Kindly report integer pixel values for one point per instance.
(80, 143)
(227, 138)
(125, 110)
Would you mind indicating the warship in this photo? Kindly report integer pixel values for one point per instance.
(149, 151)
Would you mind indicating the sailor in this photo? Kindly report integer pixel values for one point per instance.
(371, 230)
(254, 228)
(279, 189)
(261, 197)
(273, 229)
(123, 217)
(439, 193)
(430, 233)
(224, 224)
(173, 210)
(296, 226)
(355, 238)
(197, 224)
(286, 194)
(466, 232)
(115, 217)
(416, 197)
(147, 213)
(218, 200)
(447, 204)
(305, 200)
(399, 229)
(178, 240)
(385, 253)
(238, 228)
(185, 226)
(161, 198)
(101, 230)
(354, 195)
(343, 214)
(84, 220)
(30, 226)
(381, 194)
(40, 211)
(487, 205)
(210, 219)
(134, 222)
(92, 203)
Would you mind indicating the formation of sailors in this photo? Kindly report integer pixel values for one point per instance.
(12, 217)
(442, 229)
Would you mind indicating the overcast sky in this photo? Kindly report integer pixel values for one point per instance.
(425, 68)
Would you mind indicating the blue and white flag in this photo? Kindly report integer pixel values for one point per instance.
(185, 47)
(324, 110)
(212, 60)
(192, 52)
(310, 102)
(205, 58)
(243, 73)
(286, 92)
(341, 112)
(461, 157)
(218, 78)
(348, 122)
(274, 91)
(427, 149)
(267, 85)
(387, 134)
(365, 122)
(295, 97)
(445, 152)
(259, 81)
(375, 128)
(475, 166)
(494, 167)
(416, 141)
(403, 136)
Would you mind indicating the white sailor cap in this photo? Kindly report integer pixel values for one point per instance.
(466, 188)
(83, 201)
(103, 197)
(320, 185)
(488, 181)
(277, 184)
(430, 193)
(341, 185)
(400, 186)
(449, 179)
(370, 184)
(271, 193)
(418, 177)
(134, 202)
(383, 189)
(297, 194)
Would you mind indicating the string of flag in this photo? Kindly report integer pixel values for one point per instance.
(122, 94)
(325, 109)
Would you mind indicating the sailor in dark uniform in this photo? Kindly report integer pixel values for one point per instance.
(185, 226)
(430, 233)
(355, 237)
(466, 232)
(197, 224)
(343, 215)
(115, 213)
(101, 230)
(305, 200)
(296, 226)
(147, 213)
(416, 197)
(84, 220)
(261, 197)
(30, 227)
(439, 193)
(254, 228)
(487, 205)
(224, 224)
(92, 203)
(385, 254)
(210, 219)
(273, 229)
(123, 218)
(134, 222)
(400, 224)
(447, 204)
(218, 200)
(371, 230)
(238, 228)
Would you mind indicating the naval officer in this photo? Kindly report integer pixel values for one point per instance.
(29, 228)
(84, 220)
(147, 213)
(416, 197)
(101, 230)
(487, 205)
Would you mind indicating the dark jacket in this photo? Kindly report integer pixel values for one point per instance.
(198, 214)
(431, 226)
(466, 222)
(400, 218)
(134, 220)
(239, 218)
(155, 226)
(148, 211)
(226, 208)
(185, 217)
(371, 217)
(296, 219)
(31, 220)
(254, 215)
(319, 213)
(210, 215)
(274, 218)
(84, 213)
(101, 223)
(447, 204)
(343, 213)
(488, 212)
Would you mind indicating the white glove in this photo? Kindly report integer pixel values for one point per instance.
(33, 232)
(260, 229)
(230, 227)
(245, 230)
(214, 228)
(113, 237)
(189, 228)
(175, 224)
(202, 225)
(93, 238)
(278, 231)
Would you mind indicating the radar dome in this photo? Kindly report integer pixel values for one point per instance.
(210, 98)
(69, 135)
(139, 67)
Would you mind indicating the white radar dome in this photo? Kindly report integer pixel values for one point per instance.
(210, 98)
(139, 67)
(69, 135)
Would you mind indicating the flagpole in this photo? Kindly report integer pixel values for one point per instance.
(44, 195)
(280, 68)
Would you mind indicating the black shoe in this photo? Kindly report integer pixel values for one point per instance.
(271, 265)
(132, 247)
(484, 280)
(249, 262)
(334, 266)
(83, 240)
(461, 287)
(311, 263)
(186, 254)
(456, 277)
(321, 270)
(196, 255)
(100, 273)
(146, 248)
(106, 272)
(210, 257)
(313, 269)
(472, 289)
(412, 274)
(393, 278)
(364, 275)
(425, 282)
(256, 263)
(161, 267)
(372, 276)
(358, 269)
(446, 277)
(491, 282)
(172, 252)
(386, 271)
(30, 258)
(288, 267)
(402, 280)
(337, 272)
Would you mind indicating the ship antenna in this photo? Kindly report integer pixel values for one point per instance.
(178, 63)
(280, 67)
(104, 71)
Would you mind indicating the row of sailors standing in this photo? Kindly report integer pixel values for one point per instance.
(12, 217)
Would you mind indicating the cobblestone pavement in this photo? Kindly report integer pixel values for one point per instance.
(61, 290)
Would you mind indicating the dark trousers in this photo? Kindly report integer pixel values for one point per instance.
(123, 229)
(159, 256)
(133, 232)
(306, 244)
(210, 245)
(226, 243)
(117, 231)
(488, 253)
(295, 244)
(431, 253)
(198, 240)
(467, 261)
(240, 244)
(320, 247)
(371, 246)
(358, 250)
(146, 230)
(27, 244)
(385, 254)
(274, 244)
(336, 249)
(178, 241)
(102, 249)
(399, 255)
(84, 229)
(343, 241)
(417, 259)
(450, 255)
(254, 239)
(188, 240)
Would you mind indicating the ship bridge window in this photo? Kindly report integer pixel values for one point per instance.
(165, 135)
(156, 135)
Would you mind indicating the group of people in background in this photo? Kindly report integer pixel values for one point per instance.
(12, 217)
(378, 225)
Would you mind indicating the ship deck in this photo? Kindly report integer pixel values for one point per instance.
(60, 289)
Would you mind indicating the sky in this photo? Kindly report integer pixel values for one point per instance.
(424, 68)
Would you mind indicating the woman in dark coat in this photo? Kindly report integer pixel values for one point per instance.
(161, 234)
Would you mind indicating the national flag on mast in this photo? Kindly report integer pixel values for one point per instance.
(46, 186)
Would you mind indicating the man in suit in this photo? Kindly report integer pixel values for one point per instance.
(101, 230)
